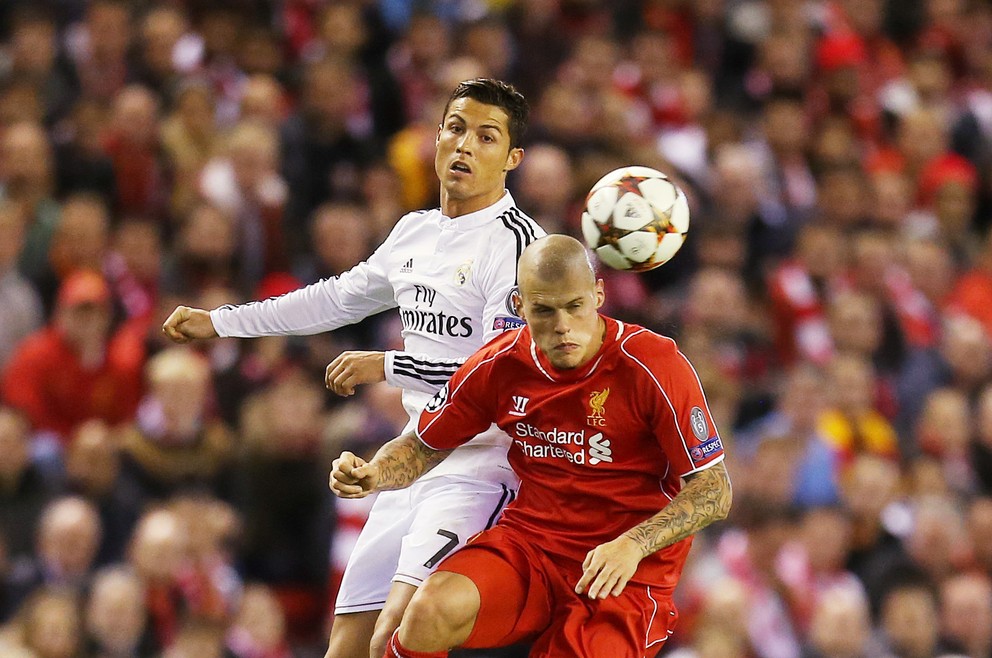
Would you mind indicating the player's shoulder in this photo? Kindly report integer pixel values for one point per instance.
(502, 347)
(416, 218)
(639, 344)
(513, 227)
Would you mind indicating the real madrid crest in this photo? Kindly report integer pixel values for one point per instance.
(463, 273)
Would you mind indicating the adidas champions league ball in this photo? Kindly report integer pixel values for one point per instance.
(635, 218)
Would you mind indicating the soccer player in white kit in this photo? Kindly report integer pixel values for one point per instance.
(451, 271)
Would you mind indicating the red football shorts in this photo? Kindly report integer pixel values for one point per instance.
(526, 596)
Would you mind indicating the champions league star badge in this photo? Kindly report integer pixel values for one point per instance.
(438, 400)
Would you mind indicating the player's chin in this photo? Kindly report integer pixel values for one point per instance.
(565, 363)
(460, 186)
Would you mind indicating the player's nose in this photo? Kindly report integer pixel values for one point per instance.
(464, 144)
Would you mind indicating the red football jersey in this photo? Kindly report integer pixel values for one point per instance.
(598, 449)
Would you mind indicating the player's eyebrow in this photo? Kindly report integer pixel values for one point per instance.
(490, 126)
(540, 307)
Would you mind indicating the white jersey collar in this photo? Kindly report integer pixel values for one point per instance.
(479, 217)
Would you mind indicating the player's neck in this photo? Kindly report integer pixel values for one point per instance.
(459, 207)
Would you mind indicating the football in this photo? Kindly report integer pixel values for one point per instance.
(635, 218)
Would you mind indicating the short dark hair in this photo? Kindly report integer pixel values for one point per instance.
(501, 94)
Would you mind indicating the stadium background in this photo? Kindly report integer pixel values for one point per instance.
(835, 295)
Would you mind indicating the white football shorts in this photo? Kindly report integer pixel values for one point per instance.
(409, 531)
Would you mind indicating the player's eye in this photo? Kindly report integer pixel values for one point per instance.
(488, 139)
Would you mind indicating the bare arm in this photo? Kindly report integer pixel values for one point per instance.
(705, 498)
(396, 465)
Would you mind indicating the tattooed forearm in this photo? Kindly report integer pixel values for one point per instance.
(705, 498)
(403, 460)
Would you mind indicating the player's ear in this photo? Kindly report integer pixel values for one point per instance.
(514, 158)
(518, 304)
(600, 293)
(437, 136)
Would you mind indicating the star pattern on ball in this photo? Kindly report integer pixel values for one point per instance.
(610, 234)
(630, 184)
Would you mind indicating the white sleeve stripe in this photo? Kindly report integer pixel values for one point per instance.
(451, 364)
(705, 466)
(437, 379)
(675, 417)
(438, 369)
(451, 396)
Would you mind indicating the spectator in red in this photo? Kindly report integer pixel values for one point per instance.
(947, 195)
(75, 369)
(159, 552)
(651, 78)
(133, 145)
(799, 290)
(972, 294)
(133, 267)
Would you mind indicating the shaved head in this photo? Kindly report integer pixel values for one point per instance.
(553, 258)
(559, 298)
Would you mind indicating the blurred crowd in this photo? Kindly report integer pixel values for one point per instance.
(835, 296)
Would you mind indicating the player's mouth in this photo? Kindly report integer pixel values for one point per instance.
(567, 348)
(460, 167)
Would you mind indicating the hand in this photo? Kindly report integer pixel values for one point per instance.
(608, 567)
(352, 477)
(187, 323)
(350, 369)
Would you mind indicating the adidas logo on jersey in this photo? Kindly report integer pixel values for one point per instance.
(407, 267)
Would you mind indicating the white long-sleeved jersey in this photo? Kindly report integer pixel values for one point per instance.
(451, 279)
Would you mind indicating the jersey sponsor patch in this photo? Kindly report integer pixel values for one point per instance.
(706, 449)
(505, 323)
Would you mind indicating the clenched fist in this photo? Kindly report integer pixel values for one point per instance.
(186, 324)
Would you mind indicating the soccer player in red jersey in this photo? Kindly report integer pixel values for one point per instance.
(607, 420)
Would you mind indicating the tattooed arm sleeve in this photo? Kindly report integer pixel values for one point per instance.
(705, 498)
(404, 459)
